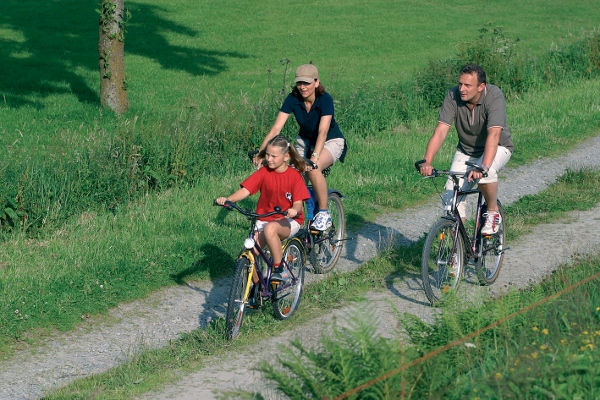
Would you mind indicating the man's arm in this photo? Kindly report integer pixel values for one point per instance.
(435, 143)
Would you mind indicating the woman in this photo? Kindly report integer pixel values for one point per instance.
(319, 138)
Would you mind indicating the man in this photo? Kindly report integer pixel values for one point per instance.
(478, 111)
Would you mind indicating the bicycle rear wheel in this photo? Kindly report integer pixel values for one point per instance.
(237, 298)
(442, 261)
(326, 246)
(287, 299)
(492, 252)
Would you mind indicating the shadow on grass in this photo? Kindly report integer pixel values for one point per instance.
(215, 298)
(49, 47)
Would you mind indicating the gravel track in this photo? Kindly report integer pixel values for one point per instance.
(154, 321)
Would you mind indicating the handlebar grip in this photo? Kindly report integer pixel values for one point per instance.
(418, 164)
(252, 153)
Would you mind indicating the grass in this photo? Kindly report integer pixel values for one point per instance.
(121, 204)
(113, 193)
(150, 369)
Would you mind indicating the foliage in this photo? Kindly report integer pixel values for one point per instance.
(549, 351)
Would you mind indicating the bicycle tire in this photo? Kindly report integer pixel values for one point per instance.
(324, 255)
(286, 301)
(492, 252)
(237, 298)
(438, 279)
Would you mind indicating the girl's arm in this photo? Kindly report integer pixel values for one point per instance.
(324, 124)
(238, 195)
(295, 210)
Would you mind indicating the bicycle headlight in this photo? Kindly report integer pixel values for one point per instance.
(249, 243)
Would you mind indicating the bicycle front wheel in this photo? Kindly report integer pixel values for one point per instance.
(287, 297)
(442, 260)
(326, 246)
(492, 253)
(238, 298)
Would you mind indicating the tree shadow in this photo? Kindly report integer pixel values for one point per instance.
(51, 47)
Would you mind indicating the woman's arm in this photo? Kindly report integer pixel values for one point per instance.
(324, 124)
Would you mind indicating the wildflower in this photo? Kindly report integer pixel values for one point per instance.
(597, 333)
(545, 331)
(470, 345)
(543, 347)
(16, 311)
(534, 354)
(584, 333)
(535, 328)
(573, 323)
(597, 308)
(563, 341)
(498, 375)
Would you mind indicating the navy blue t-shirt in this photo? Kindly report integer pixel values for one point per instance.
(309, 121)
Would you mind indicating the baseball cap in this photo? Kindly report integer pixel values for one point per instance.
(306, 73)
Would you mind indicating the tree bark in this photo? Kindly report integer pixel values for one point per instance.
(111, 48)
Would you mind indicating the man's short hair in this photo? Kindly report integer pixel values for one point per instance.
(474, 69)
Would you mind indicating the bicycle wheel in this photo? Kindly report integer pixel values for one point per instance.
(442, 261)
(287, 299)
(492, 252)
(237, 298)
(326, 246)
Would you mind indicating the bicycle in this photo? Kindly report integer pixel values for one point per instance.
(450, 243)
(322, 247)
(253, 260)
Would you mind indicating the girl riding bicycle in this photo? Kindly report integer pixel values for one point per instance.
(279, 186)
(319, 138)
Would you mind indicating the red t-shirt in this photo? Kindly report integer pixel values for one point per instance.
(277, 189)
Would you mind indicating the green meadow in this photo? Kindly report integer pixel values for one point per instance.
(100, 209)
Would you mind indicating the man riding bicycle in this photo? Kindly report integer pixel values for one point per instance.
(478, 111)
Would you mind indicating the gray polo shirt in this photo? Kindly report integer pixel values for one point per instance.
(472, 125)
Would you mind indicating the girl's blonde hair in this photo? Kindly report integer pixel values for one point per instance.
(286, 146)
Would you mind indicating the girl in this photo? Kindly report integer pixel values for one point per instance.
(319, 135)
(279, 185)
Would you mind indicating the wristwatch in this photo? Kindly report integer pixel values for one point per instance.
(315, 154)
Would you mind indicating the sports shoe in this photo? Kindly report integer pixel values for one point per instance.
(279, 274)
(322, 221)
(492, 223)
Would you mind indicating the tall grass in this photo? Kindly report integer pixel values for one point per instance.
(101, 168)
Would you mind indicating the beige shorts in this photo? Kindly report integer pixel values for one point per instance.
(458, 165)
(294, 226)
(334, 146)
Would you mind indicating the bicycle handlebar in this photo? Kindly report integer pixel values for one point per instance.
(436, 173)
(229, 205)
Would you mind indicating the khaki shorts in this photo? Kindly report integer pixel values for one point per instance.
(334, 146)
(458, 165)
(294, 226)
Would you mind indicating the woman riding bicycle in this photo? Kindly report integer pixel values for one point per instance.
(319, 135)
(279, 186)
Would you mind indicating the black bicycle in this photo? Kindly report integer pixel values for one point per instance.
(450, 244)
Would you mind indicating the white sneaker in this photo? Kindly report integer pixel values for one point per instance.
(322, 221)
(492, 223)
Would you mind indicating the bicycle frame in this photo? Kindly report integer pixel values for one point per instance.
(471, 246)
(253, 252)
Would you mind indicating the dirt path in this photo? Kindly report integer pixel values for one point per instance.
(164, 315)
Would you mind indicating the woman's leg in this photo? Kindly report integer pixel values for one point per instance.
(318, 180)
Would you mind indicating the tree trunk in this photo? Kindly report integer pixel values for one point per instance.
(113, 90)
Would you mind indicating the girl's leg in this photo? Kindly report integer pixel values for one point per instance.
(272, 235)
